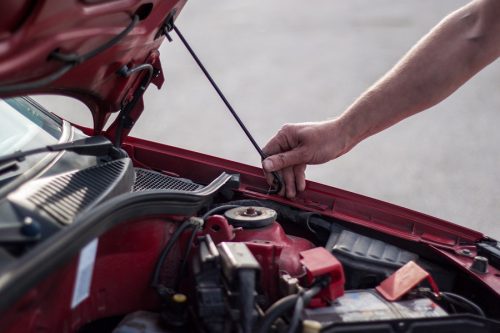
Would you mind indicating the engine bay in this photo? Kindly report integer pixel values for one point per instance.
(143, 237)
(239, 271)
(175, 255)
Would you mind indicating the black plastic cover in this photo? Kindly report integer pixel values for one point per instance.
(62, 197)
(490, 250)
(146, 180)
(209, 288)
(368, 261)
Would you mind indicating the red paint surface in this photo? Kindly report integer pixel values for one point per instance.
(402, 281)
(125, 259)
(319, 262)
(447, 238)
(127, 253)
(31, 30)
(275, 251)
(326, 200)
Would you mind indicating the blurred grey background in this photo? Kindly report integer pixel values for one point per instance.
(294, 61)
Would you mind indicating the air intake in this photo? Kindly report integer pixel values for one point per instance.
(62, 197)
(147, 180)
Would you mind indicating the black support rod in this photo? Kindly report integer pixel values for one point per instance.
(277, 178)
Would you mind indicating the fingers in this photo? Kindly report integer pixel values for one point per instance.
(274, 145)
(282, 149)
(289, 182)
(294, 180)
(281, 141)
(300, 177)
(269, 178)
(284, 160)
(288, 155)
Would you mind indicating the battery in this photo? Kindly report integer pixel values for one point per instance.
(368, 305)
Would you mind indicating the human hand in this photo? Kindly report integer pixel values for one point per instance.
(296, 145)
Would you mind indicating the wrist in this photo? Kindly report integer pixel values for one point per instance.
(340, 135)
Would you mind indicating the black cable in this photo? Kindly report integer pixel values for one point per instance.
(77, 59)
(218, 209)
(275, 311)
(184, 261)
(219, 92)
(462, 301)
(263, 156)
(37, 83)
(285, 304)
(164, 253)
(70, 60)
(123, 116)
(125, 71)
(453, 308)
(297, 311)
(308, 221)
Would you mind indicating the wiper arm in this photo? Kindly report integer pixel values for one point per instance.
(92, 146)
(8, 166)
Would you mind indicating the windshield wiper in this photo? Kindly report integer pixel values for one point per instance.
(92, 146)
(8, 166)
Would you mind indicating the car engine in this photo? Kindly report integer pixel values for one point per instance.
(240, 272)
(173, 255)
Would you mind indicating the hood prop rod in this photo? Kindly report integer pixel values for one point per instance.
(277, 178)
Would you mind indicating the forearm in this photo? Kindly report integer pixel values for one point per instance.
(460, 46)
(456, 49)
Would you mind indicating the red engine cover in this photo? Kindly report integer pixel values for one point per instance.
(275, 251)
(320, 262)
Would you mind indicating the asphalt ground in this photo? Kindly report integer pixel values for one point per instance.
(294, 61)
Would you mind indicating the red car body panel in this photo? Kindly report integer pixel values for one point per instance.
(31, 30)
(117, 289)
(355, 208)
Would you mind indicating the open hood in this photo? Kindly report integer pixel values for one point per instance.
(98, 51)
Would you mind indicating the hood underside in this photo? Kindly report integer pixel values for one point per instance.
(80, 48)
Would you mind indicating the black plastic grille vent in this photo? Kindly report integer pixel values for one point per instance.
(151, 180)
(64, 196)
(365, 249)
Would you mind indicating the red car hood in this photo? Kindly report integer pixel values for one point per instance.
(33, 32)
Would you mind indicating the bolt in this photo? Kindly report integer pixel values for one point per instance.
(466, 252)
(30, 228)
(480, 265)
(250, 212)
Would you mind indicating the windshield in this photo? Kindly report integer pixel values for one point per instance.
(25, 126)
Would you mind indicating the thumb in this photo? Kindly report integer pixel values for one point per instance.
(283, 160)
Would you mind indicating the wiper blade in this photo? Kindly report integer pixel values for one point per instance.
(8, 166)
(93, 146)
